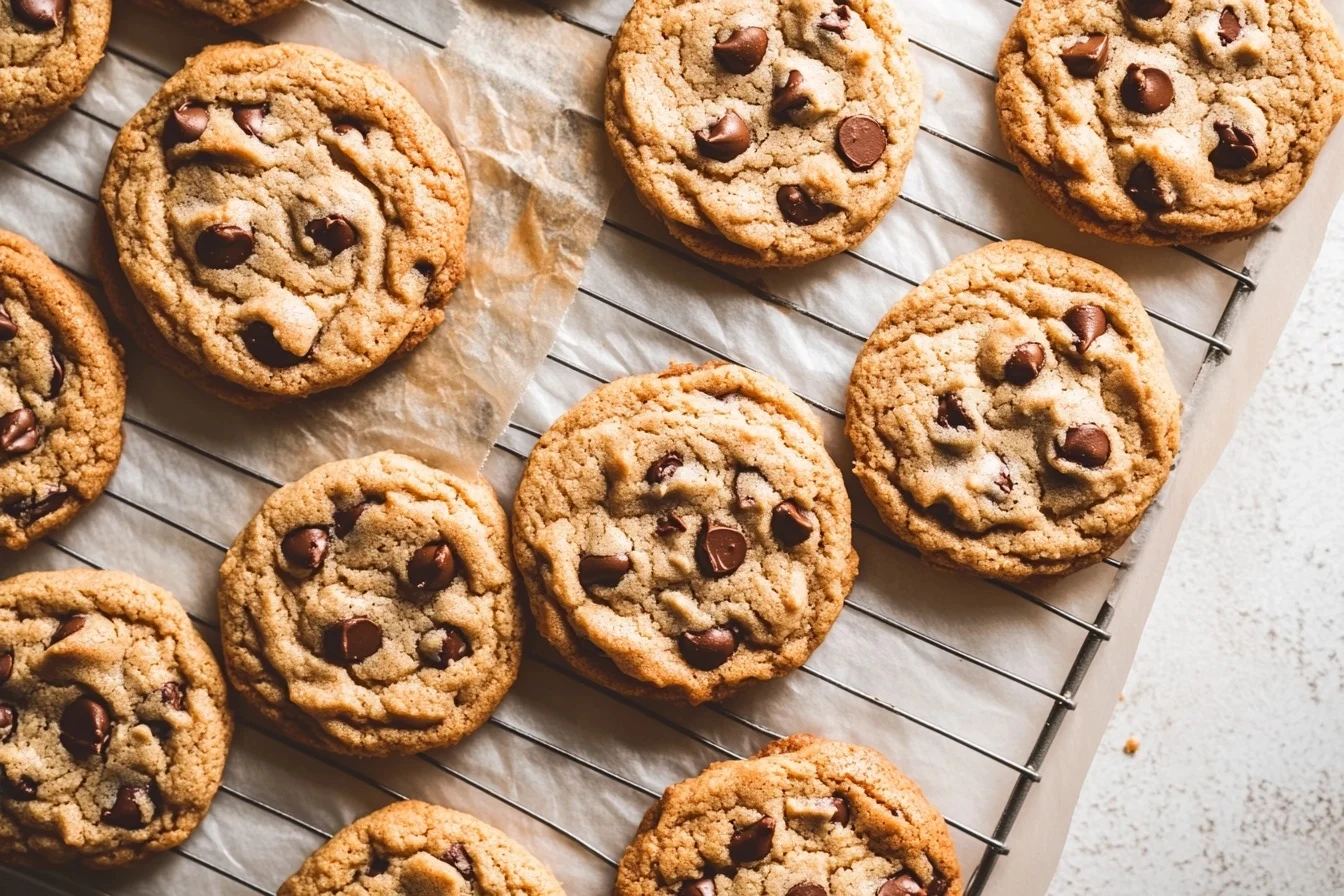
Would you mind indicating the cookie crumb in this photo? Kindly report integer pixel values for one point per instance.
(938, 97)
(1131, 746)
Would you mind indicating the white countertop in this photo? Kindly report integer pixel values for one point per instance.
(1237, 693)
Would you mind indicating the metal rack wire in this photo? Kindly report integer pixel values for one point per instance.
(1062, 698)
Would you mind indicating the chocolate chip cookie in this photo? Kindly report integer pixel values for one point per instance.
(1169, 121)
(1013, 416)
(218, 12)
(684, 533)
(114, 723)
(369, 607)
(803, 817)
(48, 49)
(417, 848)
(62, 393)
(766, 133)
(285, 219)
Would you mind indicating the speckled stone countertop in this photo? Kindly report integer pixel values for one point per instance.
(1236, 697)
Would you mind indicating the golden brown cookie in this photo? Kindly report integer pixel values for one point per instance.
(218, 12)
(114, 723)
(685, 533)
(48, 49)
(1013, 416)
(369, 607)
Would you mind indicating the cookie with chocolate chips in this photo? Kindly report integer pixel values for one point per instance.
(114, 722)
(369, 607)
(803, 817)
(48, 49)
(682, 534)
(1013, 416)
(62, 393)
(766, 133)
(419, 848)
(280, 221)
(218, 12)
(1169, 121)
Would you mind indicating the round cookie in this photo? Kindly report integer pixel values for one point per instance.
(1012, 416)
(218, 12)
(764, 133)
(114, 720)
(682, 534)
(286, 219)
(48, 49)
(1169, 121)
(369, 607)
(411, 848)
(62, 393)
(803, 817)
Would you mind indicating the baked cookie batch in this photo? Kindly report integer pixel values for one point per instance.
(279, 221)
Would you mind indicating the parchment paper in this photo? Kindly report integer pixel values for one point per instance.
(640, 305)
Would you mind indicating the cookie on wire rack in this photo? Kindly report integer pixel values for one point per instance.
(48, 50)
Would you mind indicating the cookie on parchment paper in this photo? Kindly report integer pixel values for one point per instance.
(48, 50)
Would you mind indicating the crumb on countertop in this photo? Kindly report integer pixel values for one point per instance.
(1131, 746)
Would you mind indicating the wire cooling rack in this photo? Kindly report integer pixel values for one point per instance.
(603, 337)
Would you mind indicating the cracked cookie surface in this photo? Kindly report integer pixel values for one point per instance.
(803, 817)
(369, 607)
(217, 12)
(763, 132)
(288, 220)
(414, 849)
(1013, 416)
(48, 50)
(684, 533)
(114, 723)
(1168, 121)
(62, 394)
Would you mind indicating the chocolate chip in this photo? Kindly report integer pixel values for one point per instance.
(1085, 58)
(1229, 26)
(1086, 445)
(29, 508)
(352, 640)
(1235, 149)
(40, 15)
(345, 520)
(18, 432)
(836, 20)
(1145, 189)
(305, 547)
(668, 524)
(425, 269)
(790, 96)
(249, 118)
(663, 468)
(125, 811)
(6, 666)
(702, 887)
(1149, 9)
(1024, 364)
(378, 864)
(332, 233)
(8, 329)
(798, 208)
(742, 50)
(67, 628)
(603, 571)
(224, 246)
(861, 140)
(752, 843)
(57, 376)
(790, 524)
(9, 721)
(22, 790)
(185, 124)
(350, 126)
(172, 695)
(452, 648)
(85, 727)
(806, 889)
(1005, 478)
(726, 139)
(937, 886)
(432, 567)
(259, 337)
(902, 885)
(708, 649)
(1146, 89)
(841, 814)
(1087, 323)
(952, 413)
(721, 550)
